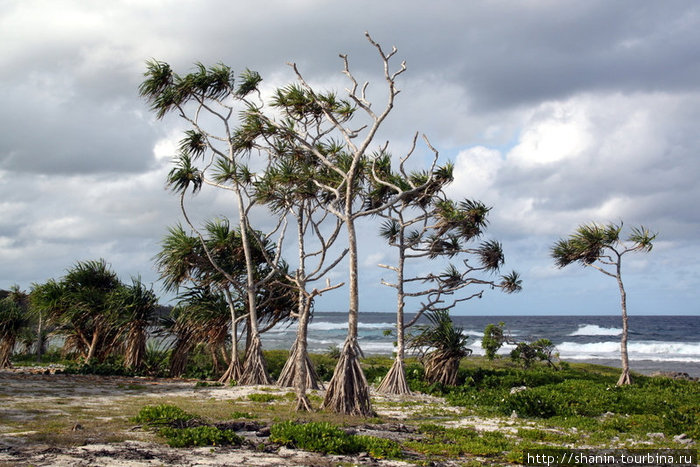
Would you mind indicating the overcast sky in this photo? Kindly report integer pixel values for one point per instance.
(555, 113)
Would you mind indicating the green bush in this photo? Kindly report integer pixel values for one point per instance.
(329, 439)
(199, 436)
(440, 442)
(532, 403)
(262, 397)
(275, 360)
(111, 366)
(163, 414)
(493, 339)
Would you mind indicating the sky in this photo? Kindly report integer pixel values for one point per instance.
(555, 113)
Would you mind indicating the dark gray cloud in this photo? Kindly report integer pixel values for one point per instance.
(556, 113)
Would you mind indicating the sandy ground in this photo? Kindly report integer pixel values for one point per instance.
(35, 398)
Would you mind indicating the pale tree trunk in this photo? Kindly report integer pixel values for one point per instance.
(305, 376)
(40, 341)
(395, 380)
(625, 376)
(254, 368)
(348, 391)
(93, 346)
(235, 369)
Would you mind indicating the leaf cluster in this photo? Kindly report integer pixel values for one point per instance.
(166, 91)
(594, 242)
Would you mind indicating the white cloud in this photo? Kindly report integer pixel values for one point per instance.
(476, 170)
(557, 131)
(554, 115)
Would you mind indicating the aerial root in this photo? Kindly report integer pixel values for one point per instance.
(395, 380)
(290, 371)
(625, 378)
(255, 369)
(234, 372)
(348, 392)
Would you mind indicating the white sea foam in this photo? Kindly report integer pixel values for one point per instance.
(642, 350)
(595, 330)
(381, 348)
(330, 326)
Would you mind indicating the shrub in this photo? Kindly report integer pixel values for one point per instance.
(493, 339)
(163, 414)
(329, 439)
(532, 403)
(459, 442)
(199, 436)
(112, 366)
(262, 397)
(275, 360)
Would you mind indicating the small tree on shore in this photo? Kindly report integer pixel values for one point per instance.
(600, 247)
(287, 188)
(443, 346)
(189, 261)
(14, 318)
(433, 227)
(210, 100)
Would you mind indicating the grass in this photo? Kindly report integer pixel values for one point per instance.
(578, 406)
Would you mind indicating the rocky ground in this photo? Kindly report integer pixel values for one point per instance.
(79, 420)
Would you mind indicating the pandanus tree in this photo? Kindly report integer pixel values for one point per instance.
(45, 301)
(201, 317)
(287, 188)
(601, 247)
(209, 100)
(14, 318)
(339, 135)
(95, 312)
(188, 261)
(136, 306)
(429, 227)
(86, 314)
(443, 346)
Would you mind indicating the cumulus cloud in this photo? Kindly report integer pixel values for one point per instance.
(554, 114)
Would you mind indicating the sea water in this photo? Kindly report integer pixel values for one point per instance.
(656, 343)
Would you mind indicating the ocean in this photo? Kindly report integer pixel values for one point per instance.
(656, 343)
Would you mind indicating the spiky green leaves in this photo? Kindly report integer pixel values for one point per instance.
(642, 239)
(511, 283)
(299, 103)
(491, 255)
(467, 218)
(12, 318)
(185, 175)
(165, 90)
(390, 230)
(442, 335)
(591, 242)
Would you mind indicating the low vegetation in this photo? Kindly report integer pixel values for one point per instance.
(329, 439)
(496, 409)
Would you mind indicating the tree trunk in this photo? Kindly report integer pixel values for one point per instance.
(395, 380)
(298, 371)
(7, 345)
(135, 347)
(348, 392)
(235, 369)
(40, 341)
(254, 368)
(93, 346)
(625, 376)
